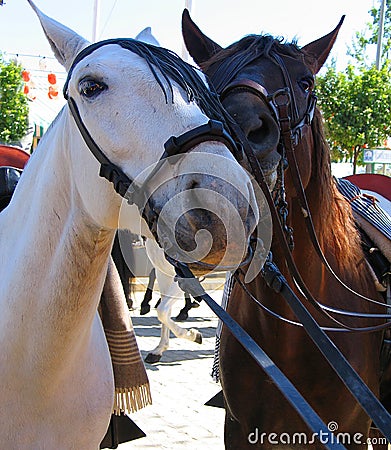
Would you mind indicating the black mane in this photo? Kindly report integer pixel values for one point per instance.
(164, 65)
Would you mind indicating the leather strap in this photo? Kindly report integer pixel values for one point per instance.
(286, 136)
(340, 365)
(190, 284)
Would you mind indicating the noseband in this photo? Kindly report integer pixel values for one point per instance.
(279, 104)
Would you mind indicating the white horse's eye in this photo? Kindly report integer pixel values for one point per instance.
(91, 88)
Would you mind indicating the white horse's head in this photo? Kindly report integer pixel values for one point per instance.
(130, 103)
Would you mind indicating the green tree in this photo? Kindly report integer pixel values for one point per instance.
(356, 106)
(13, 103)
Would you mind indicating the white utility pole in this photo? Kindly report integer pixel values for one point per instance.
(380, 35)
(96, 19)
(185, 54)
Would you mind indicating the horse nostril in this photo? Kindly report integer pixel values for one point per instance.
(259, 134)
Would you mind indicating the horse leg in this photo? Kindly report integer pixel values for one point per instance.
(234, 438)
(184, 312)
(156, 354)
(164, 315)
(145, 307)
(170, 293)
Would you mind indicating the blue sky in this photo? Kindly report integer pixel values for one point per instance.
(223, 20)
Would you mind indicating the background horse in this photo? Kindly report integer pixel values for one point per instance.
(164, 274)
(57, 386)
(249, 76)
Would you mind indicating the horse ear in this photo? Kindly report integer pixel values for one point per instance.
(147, 37)
(65, 43)
(200, 47)
(319, 50)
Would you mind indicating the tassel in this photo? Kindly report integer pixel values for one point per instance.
(130, 400)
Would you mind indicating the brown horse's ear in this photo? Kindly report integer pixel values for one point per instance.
(319, 50)
(200, 47)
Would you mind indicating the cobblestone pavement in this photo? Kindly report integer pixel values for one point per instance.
(180, 384)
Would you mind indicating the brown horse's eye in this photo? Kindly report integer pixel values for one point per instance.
(91, 88)
(306, 84)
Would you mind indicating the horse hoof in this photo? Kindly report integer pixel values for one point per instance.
(182, 316)
(198, 338)
(158, 302)
(145, 310)
(152, 359)
(195, 305)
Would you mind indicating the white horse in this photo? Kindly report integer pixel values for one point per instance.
(57, 389)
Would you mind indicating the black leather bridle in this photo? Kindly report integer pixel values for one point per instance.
(283, 106)
(213, 130)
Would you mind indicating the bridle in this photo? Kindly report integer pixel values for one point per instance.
(213, 130)
(283, 106)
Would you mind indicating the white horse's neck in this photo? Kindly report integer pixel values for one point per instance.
(53, 243)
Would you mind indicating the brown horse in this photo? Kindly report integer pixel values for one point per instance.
(257, 415)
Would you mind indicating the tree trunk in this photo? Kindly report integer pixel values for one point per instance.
(356, 152)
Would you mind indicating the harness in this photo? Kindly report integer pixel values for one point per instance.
(164, 65)
(284, 103)
(284, 108)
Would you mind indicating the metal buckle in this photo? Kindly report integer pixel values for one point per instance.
(278, 97)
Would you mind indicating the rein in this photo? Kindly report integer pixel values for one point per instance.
(277, 282)
(271, 274)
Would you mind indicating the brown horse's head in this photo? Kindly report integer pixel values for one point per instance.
(247, 74)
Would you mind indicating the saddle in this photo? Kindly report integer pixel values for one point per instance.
(374, 225)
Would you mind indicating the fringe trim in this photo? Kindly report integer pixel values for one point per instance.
(132, 399)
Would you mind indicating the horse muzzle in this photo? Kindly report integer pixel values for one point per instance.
(207, 220)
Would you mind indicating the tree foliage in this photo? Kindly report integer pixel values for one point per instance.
(356, 103)
(13, 103)
(356, 106)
